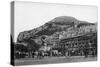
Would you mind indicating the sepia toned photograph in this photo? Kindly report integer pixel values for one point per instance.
(48, 33)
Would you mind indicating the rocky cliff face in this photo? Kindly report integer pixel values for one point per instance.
(59, 28)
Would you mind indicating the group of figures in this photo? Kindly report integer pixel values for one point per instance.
(77, 46)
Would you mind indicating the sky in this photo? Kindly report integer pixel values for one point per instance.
(29, 15)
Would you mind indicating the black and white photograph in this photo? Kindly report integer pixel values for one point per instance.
(50, 33)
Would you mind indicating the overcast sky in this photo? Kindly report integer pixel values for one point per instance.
(31, 15)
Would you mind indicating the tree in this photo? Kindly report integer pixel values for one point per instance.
(21, 48)
(32, 46)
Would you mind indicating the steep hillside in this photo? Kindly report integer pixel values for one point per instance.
(59, 28)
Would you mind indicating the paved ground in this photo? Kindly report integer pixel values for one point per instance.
(52, 60)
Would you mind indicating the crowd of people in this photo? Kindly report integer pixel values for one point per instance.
(78, 46)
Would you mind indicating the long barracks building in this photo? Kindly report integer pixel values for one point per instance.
(78, 46)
